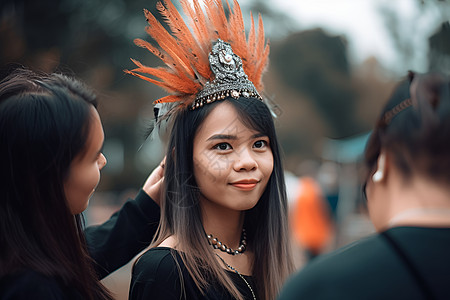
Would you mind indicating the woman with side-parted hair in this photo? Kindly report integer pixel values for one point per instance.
(51, 141)
(223, 232)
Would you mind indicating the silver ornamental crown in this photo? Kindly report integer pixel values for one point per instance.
(230, 78)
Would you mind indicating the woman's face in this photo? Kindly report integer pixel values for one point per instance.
(232, 163)
(85, 168)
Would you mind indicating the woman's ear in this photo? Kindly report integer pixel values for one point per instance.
(173, 155)
(380, 174)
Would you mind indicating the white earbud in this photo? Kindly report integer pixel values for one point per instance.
(379, 174)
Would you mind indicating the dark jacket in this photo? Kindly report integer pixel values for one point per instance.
(111, 245)
(401, 263)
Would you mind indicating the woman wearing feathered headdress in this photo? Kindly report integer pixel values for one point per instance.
(223, 231)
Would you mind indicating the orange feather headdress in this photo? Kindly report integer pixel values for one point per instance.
(213, 61)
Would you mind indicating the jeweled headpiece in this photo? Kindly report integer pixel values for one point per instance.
(230, 81)
(211, 63)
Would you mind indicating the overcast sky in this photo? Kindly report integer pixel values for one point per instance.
(363, 25)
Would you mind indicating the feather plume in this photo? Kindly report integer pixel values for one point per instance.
(179, 28)
(186, 46)
(172, 82)
(168, 99)
(217, 18)
(200, 30)
(190, 12)
(168, 43)
(260, 36)
(251, 48)
(257, 75)
(206, 31)
(238, 42)
(144, 44)
(159, 83)
(225, 35)
(196, 54)
(162, 55)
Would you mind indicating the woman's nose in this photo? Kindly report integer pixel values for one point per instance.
(102, 161)
(245, 161)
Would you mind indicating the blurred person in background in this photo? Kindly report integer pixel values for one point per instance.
(408, 195)
(310, 218)
(51, 141)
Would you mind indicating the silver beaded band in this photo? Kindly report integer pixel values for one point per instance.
(221, 246)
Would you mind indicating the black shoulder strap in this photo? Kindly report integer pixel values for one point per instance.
(424, 287)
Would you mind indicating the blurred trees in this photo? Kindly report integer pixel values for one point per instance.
(81, 34)
(316, 64)
(91, 40)
(321, 94)
(405, 27)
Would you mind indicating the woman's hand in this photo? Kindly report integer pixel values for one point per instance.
(153, 184)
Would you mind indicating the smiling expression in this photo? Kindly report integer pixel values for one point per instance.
(232, 162)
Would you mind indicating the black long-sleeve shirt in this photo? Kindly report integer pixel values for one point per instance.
(111, 245)
(160, 274)
(372, 269)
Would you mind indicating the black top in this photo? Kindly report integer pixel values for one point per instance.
(156, 276)
(111, 245)
(373, 269)
(32, 285)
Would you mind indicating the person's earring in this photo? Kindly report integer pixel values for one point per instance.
(379, 174)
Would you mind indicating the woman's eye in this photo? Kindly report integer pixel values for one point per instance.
(222, 146)
(260, 144)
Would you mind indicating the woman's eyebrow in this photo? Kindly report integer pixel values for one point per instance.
(233, 137)
(257, 135)
(222, 137)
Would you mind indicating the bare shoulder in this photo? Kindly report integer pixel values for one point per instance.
(170, 242)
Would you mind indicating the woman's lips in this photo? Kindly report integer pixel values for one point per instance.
(246, 185)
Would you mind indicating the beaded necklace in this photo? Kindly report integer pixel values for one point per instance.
(236, 271)
(222, 247)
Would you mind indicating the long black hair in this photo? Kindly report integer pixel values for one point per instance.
(266, 223)
(44, 125)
